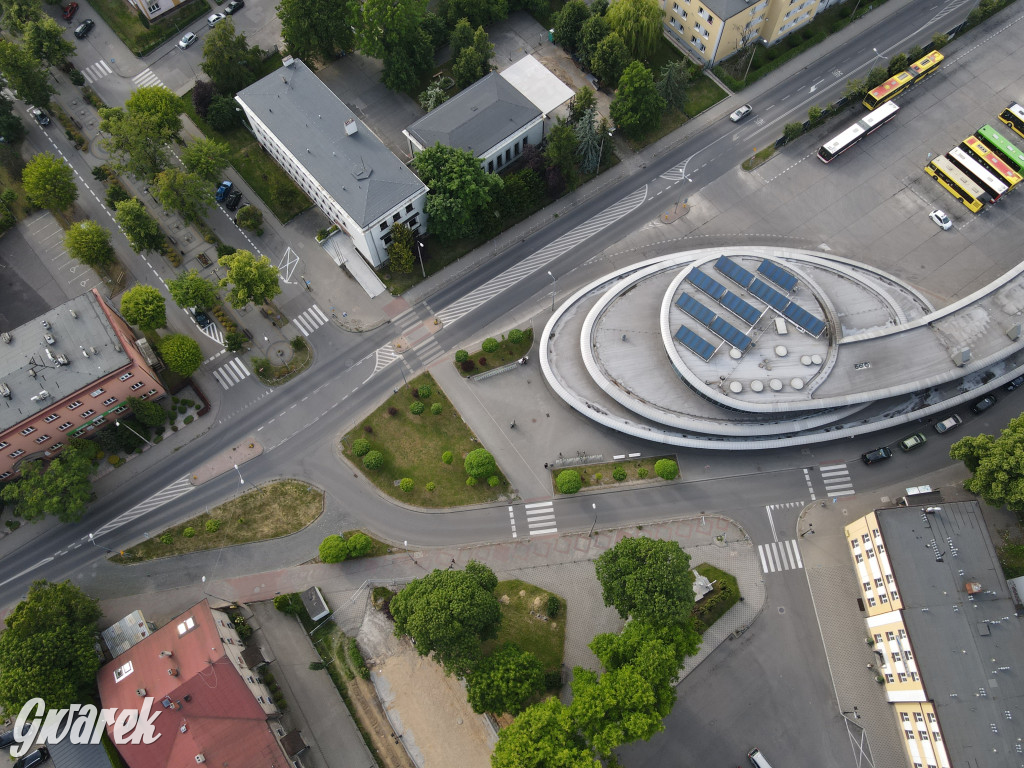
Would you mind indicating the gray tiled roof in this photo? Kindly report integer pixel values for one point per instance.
(358, 171)
(476, 119)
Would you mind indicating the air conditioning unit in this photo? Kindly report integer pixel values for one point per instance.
(5, 337)
(200, 758)
(141, 692)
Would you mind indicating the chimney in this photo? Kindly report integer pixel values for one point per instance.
(350, 127)
(141, 691)
(166, 654)
(173, 671)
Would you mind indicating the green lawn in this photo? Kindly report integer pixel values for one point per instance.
(544, 639)
(507, 353)
(594, 475)
(412, 446)
(717, 602)
(128, 25)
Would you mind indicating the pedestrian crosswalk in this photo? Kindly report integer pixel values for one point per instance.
(310, 320)
(540, 518)
(146, 77)
(231, 373)
(837, 480)
(780, 556)
(179, 487)
(97, 71)
(428, 351)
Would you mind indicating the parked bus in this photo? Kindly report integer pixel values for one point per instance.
(957, 183)
(869, 123)
(898, 83)
(1013, 116)
(992, 161)
(985, 178)
(1005, 148)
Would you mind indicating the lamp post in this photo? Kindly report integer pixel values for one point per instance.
(810, 529)
(878, 55)
(419, 252)
(593, 507)
(231, 603)
(554, 289)
(119, 424)
(99, 546)
(241, 481)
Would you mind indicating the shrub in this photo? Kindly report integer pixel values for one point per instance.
(298, 343)
(101, 173)
(392, 411)
(189, 532)
(406, 484)
(493, 480)
(115, 194)
(425, 391)
(234, 341)
(359, 544)
(316, 666)
(666, 469)
(167, 538)
(515, 336)
(461, 356)
(360, 446)
(431, 485)
(568, 481)
(435, 409)
(792, 131)
(333, 549)
(290, 603)
(417, 408)
(189, 419)
(368, 429)
(373, 460)
(554, 606)
(357, 659)
(212, 526)
(480, 463)
(490, 345)
(642, 472)
(619, 474)
(447, 457)
(471, 481)
(598, 477)
(467, 365)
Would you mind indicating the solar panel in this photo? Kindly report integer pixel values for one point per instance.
(768, 295)
(750, 314)
(777, 275)
(694, 343)
(731, 334)
(733, 271)
(695, 309)
(804, 319)
(702, 282)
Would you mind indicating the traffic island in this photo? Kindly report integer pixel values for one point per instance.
(284, 361)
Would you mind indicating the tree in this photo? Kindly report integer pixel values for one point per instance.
(187, 193)
(251, 218)
(449, 613)
(17, 14)
(44, 40)
(202, 95)
(461, 192)
(24, 73)
(640, 643)
(503, 681)
(141, 229)
(876, 77)
(11, 128)
(189, 289)
(403, 69)
(228, 59)
(318, 30)
(89, 243)
(610, 59)
(480, 463)
(898, 63)
(206, 157)
(62, 489)
(568, 23)
(150, 414)
(637, 107)
(792, 131)
(477, 12)
(359, 544)
(333, 549)
(568, 481)
(249, 278)
(648, 579)
(49, 182)
(544, 736)
(48, 649)
(159, 106)
(672, 84)
(561, 150)
(223, 114)
(474, 61)
(144, 306)
(666, 469)
(588, 141)
(995, 464)
(638, 22)
(181, 353)
(392, 30)
(581, 102)
(618, 707)
(594, 30)
(373, 460)
(461, 37)
(400, 251)
(433, 97)
(135, 144)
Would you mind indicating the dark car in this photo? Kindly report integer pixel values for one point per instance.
(234, 7)
(33, 758)
(879, 454)
(69, 11)
(40, 117)
(203, 319)
(233, 200)
(1015, 384)
(223, 190)
(83, 29)
(984, 404)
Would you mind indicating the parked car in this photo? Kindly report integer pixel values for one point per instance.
(33, 759)
(740, 113)
(234, 7)
(223, 190)
(940, 218)
(947, 424)
(69, 11)
(233, 200)
(980, 406)
(41, 117)
(203, 320)
(879, 454)
(7, 739)
(910, 442)
(1015, 384)
(215, 19)
(83, 29)
(187, 40)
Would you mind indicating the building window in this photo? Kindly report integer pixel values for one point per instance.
(126, 376)
(16, 454)
(860, 557)
(408, 208)
(28, 430)
(878, 582)
(48, 419)
(490, 166)
(76, 404)
(890, 636)
(386, 239)
(5, 475)
(905, 717)
(123, 671)
(97, 392)
(867, 585)
(397, 217)
(110, 401)
(881, 548)
(151, 392)
(383, 226)
(515, 149)
(55, 446)
(878, 638)
(508, 154)
(902, 676)
(100, 420)
(883, 598)
(138, 385)
(931, 717)
(185, 626)
(908, 654)
(895, 595)
(871, 602)
(913, 676)
(888, 578)
(154, 7)
(675, 7)
(498, 158)
(895, 655)
(88, 413)
(871, 553)
(42, 438)
(936, 736)
(866, 538)
(918, 717)
(66, 425)
(908, 732)
(526, 140)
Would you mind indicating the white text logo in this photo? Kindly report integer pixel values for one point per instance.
(83, 724)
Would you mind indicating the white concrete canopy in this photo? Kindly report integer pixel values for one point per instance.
(537, 83)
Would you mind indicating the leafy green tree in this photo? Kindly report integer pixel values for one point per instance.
(159, 106)
(461, 37)
(202, 95)
(638, 23)
(24, 73)
(637, 107)
(187, 193)
(141, 229)
(478, 12)
(876, 77)
(359, 544)
(181, 353)
(147, 412)
(480, 463)
(637, 637)
(318, 30)
(62, 489)
(12, 130)
(855, 88)
(618, 707)
(44, 39)
(403, 69)
(206, 157)
(249, 279)
(48, 649)
(449, 613)
(588, 141)
(568, 24)
(673, 82)
(898, 63)
(561, 150)
(594, 30)
(228, 59)
(400, 252)
(144, 306)
(543, 736)
(251, 218)
(473, 62)
(568, 481)
(89, 243)
(433, 97)
(18, 14)
(503, 681)
(995, 464)
(49, 182)
(333, 549)
(581, 102)
(648, 579)
(610, 59)
(136, 144)
(666, 469)
(190, 289)
(392, 30)
(461, 192)
(792, 131)
(234, 341)
(223, 114)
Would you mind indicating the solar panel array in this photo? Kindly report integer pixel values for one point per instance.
(694, 343)
(804, 319)
(733, 271)
(742, 309)
(777, 275)
(768, 295)
(695, 309)
(730, 333)
(704, 283)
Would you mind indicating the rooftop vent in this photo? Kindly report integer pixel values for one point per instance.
(200, 758)
(166, 654)
(5, 391)
(287, 61)
(141, 691)
(32, 372)
(92, 350)
(962, 357)
(351, 127)
(173, 671)
(46, 325)
(73, 313)
(63, 360)
(5, 337)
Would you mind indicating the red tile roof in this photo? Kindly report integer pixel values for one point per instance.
(214, 713)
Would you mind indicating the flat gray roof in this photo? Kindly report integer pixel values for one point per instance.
(490, 110)
(73, 335)
(357, 170)
(969, 650)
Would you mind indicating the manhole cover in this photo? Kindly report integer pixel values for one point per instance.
(781, 609)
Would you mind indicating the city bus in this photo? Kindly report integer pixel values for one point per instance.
(870, 122)
(898, 83)
(991, 160)
(1005, 148)
(984, 178)
(1013, 116)
(957, 183)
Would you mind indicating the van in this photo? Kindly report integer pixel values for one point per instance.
(757, 759)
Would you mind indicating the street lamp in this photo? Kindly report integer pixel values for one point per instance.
(600, 154)
(554, 289)
(419, 252)
(119, 424)
(241, 481)
(593, 507)
(878, 55)
(231, 603)
(810, 529)
(98, 546)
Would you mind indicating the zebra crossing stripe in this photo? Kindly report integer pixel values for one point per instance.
(145, 78)
(301, 325)
(317, 314)
(231, 373)
(780, 556)
(540, 518)
(179, 487)
(96, 71)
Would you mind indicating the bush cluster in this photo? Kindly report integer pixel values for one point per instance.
(568, 481)
(373, 460)
(666, 469)
(416, 408)
(360, 446)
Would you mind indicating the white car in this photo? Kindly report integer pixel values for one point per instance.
(940, 218)
(187, 40)
(740, 113)
(215, 19)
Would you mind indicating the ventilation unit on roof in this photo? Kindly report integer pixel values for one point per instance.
(140, 691)
(49, 354)
(5, 337)
(63, 360)
(117, 348)
(200, 758)
(5, 391)
(351, 127)
(173, 671)
(73, 313)
(32, 372)
(962, 358)
(287, 61)
(1013, 331)
(84, 353)
(166, 654)
(92, 350)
